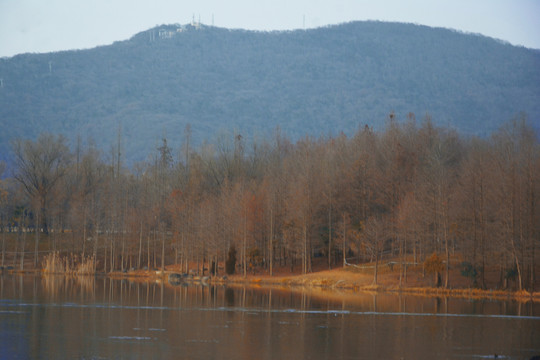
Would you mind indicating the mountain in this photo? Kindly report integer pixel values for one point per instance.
(316, 82)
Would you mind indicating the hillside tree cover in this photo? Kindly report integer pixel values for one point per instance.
(409, 192)
(219, 79)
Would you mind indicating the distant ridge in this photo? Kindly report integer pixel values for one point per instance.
(315, 82)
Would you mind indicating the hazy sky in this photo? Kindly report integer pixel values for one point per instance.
(52, 25)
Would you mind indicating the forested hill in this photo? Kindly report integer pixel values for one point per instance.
(319, 81)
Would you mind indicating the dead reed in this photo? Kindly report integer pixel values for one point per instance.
(68, 265)
(53, 264)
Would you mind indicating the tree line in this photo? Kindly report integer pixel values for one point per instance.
(405, 193)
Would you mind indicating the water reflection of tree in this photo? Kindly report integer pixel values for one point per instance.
(229, 297)
(58, 286)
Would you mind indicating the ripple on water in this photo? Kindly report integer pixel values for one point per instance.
(139, 338)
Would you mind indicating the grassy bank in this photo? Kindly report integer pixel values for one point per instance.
(345, 281)
(348, 280)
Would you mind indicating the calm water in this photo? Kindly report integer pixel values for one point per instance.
(100, 318)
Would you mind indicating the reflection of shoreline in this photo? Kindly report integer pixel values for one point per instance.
(344, 288)
(159, 295)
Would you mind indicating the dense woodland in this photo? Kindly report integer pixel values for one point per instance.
(405, 193)
(215, 78)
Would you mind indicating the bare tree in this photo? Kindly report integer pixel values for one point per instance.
(3, 210)
(374, 239)
(39, 166)
(517, 161)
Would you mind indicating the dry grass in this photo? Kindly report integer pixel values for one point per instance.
(53, 264)
(87, 266)
(68, 265)
(354, 280)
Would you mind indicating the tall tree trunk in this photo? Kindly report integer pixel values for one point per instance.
(271, 244)
(111, 240)
(36, 243)
(514, 230)
(3, 241)
(148, 252)
(23, 225)
(244, 244)
(401, 255)
(330, 237)
(94, 253)
(122, 255)
(532, 237)
(105, 255)
(162, 249)
(139, 259)
(305, 248)
(23, 245)
(375, 272)
(447, 267)
(446, 247)
(344, 242)
(483, 226)
(405, 255)
(84, 236)
(154, 256)
(518, 266)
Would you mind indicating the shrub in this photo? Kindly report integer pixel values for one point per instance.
(434, 265)
(469, 271)
(255, 257)
(511, 273)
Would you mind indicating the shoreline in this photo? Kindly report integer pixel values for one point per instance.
(317, 280)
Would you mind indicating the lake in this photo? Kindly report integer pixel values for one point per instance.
(56, 317)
